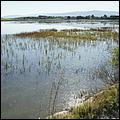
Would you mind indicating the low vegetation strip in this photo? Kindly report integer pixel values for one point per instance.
(71, 34)
(60, 34)
(8, 19)
(104, 104)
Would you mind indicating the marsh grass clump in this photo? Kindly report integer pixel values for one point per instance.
(72, 34)
(104, 104)
(53, 34)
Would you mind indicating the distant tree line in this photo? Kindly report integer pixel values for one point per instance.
(94, 17)
(70, 17)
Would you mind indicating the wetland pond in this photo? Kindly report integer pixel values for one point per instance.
(30, 67)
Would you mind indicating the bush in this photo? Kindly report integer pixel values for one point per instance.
(115, 57)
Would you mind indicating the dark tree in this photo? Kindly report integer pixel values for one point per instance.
(105, 16)
(79, 17)
(68, 17)
(87, 17)
(92, 16)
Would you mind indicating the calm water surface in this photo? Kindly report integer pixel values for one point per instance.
(18, 27)
(30, 67)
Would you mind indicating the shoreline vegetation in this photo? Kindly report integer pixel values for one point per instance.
(7, 19)
(72, 34)
(104, 104)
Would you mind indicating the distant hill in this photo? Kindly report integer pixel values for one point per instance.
(86, 13)
(97, 13)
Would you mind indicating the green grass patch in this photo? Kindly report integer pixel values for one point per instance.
(8, 19)
(115, 57)
(102, 105)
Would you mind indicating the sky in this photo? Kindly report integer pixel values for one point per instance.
(35, 7)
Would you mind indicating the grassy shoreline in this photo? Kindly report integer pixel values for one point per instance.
(104, 104)
(7, 19)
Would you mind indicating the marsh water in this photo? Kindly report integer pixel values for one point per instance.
(30, 67)
(18, 27)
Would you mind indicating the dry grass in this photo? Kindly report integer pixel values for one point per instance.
(73, 34)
